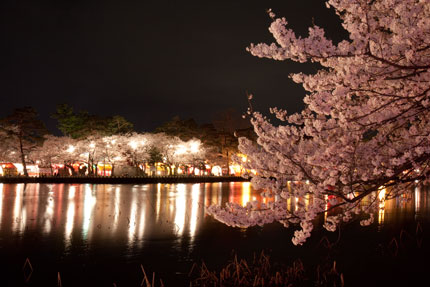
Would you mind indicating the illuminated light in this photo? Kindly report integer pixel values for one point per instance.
(219, 193)
(70, 149)
(181, 149)
(307, 181)
(194, 146)
(19, 168)
(92, 145)
(49, 212)
(89, 203)
(381, 211)
(133, 144)
(246, 193)
(296, 203)
(416, 181)
(17, 208)
(417, 199)
(70, 217)
(158, 172)
(141, 231)
(196, 171)
(326, 207)
(132, 219)
(235, 169)
(381, 194)
(381, 215)
(195, 192)
(180, 209)
(158, 201)
(72, 191)
(116, 206)
(216, 170)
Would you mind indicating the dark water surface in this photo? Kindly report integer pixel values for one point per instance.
(97, 235)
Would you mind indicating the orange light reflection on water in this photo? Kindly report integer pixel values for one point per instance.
(133, 214)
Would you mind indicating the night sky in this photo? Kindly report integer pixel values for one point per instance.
(149, 60)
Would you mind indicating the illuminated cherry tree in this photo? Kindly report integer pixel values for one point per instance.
(136, 149)
(365, 126)
(54, 150)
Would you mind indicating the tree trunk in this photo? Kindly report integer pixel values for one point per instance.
(21, 149)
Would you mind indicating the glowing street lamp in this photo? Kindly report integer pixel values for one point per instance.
(133, 144)
(195, 146)
(181, 149)
(71, 149)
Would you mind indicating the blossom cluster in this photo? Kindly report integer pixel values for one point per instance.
(366, 121)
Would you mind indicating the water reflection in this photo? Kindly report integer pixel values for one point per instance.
(133, 214)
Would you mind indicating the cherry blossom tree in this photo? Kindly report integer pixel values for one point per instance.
(25, 130)
(112, 151)
(136, 150)
(54, 150)
(365, 126)
(171, 149)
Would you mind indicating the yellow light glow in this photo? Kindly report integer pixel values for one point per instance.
(381, 196)
(49, 213)
(132, 219)
(417, 198)
(180, 149)
(326, 206)
(158, 201)
(195, 192)
(71, 149)
(217, 170)
(194, 146)
(180, 209)
(141, 230)
(117, 207)
(70, 217)
(246, 193)
(381, 215)
(17, 208)
(133, 144)
(89, 203)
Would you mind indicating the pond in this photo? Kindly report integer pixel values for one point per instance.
(97, 235)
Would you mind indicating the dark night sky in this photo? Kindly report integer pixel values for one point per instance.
(148, 60)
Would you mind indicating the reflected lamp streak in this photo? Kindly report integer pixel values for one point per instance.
(17, 208)
(195, 192)
(180, 209)
(246, 193)
(89, 202)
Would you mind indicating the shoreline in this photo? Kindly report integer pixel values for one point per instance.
(121, 180)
